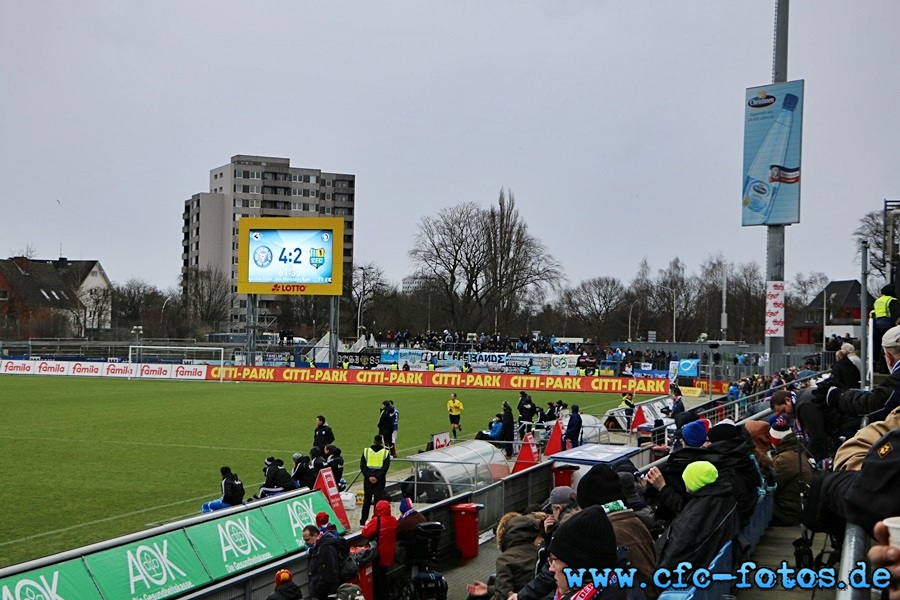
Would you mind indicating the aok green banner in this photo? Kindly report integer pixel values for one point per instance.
(232, 544)
(289, 517)
(152, 569)
(69, 580)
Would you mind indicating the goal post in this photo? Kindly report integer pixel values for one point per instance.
(179, 355)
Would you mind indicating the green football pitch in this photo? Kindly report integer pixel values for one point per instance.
(90, 459)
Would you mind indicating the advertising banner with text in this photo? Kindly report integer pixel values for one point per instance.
(288, 518)
(235, 543)
(69, 580)
(159, 567)
(499, 381)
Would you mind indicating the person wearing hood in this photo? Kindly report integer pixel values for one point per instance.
(573, 428)
(285, 588)
(334, 460)
(316, 459)
(278, 480)
(300, 471)
(382, 527)
(708, 521)
(232, 492)
(518, 537)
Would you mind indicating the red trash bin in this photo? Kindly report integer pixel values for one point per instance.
(365, 581)
(562, 475)
(465, 521)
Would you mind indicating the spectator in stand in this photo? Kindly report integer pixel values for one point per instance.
(409, 520)
(285, 588)
(844, 372)
(325, 558)
(851, 354)
(550, 412)
(573, 428)
(584, 541)
(677, 405)
(694, 434)
(887, 556)
(518, 537)
(792, 472)
(232, 492)
(383, 528)
(810, 420)
(601, 486)
(322, 436)
(709, 519)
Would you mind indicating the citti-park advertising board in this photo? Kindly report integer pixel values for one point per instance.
(298, 256)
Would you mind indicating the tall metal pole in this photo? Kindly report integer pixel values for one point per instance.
(674, 339)
(864, 315)
(775, 237)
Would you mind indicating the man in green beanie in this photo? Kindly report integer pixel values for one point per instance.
(707, 522)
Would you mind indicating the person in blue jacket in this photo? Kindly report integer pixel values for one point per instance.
(494, 431)
(573, 429)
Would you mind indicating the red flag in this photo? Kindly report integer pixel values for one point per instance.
(528, 454)
(325, 482)
(555, 443)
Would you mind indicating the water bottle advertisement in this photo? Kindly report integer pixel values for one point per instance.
(773, 125)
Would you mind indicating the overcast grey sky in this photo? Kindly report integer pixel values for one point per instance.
(617, 125)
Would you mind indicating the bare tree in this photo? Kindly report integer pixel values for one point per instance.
(805, 287)
(592, 302)
(450, 250)
(518, 263)
(367, 282)
(872, 228)
(132, 300)
(208, 295)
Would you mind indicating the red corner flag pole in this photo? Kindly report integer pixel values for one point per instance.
(325, 482)
(528, 454)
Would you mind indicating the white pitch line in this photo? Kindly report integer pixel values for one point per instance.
(107, 519)
(133, 443)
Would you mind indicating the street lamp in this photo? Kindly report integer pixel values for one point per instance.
(362, 297)
(629, 318)
(673, 310)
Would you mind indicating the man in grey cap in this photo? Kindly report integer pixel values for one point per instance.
(880, 400)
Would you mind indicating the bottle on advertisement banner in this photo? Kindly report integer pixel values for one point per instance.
(759, 187)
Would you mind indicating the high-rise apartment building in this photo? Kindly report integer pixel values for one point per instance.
(259, 186)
